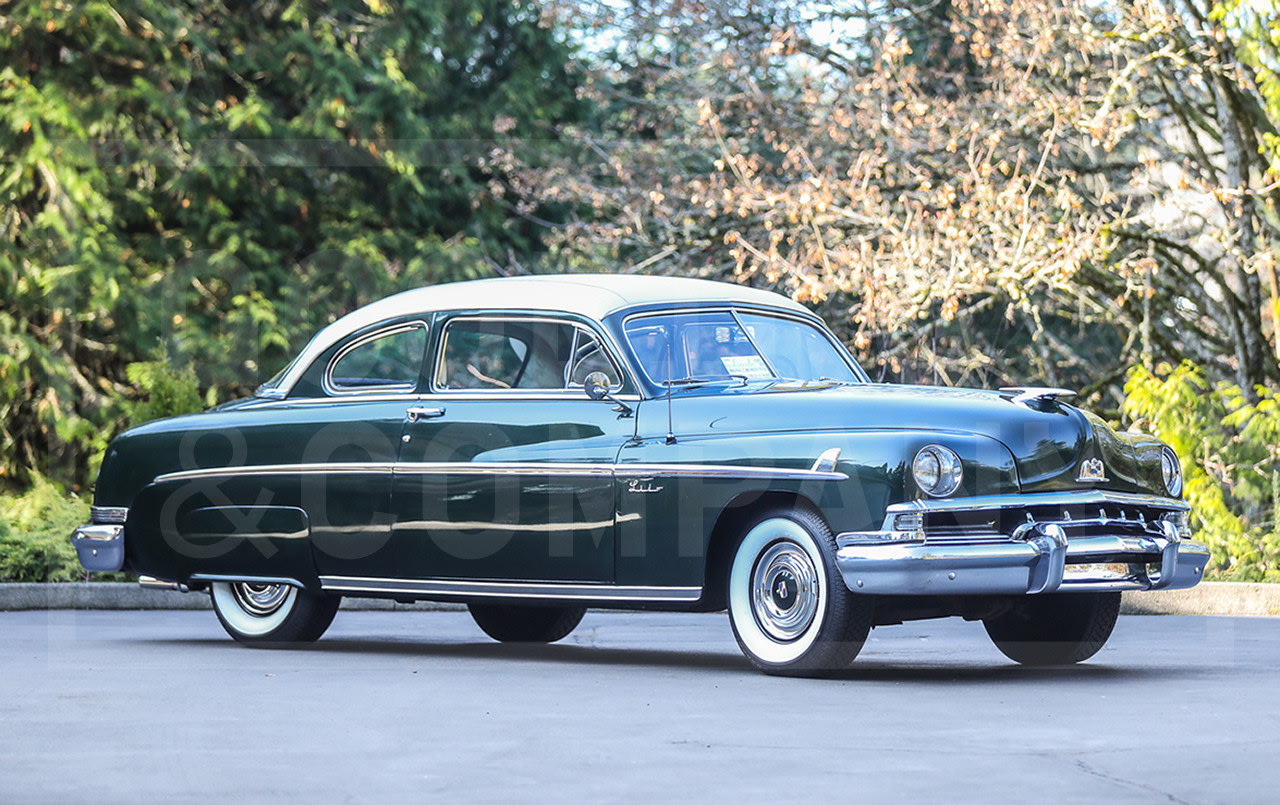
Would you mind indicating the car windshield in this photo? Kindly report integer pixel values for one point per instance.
(684, 348)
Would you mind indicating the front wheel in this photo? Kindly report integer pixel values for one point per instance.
(253, 612)
(1055, 629)
(509, 623)
(790, 610)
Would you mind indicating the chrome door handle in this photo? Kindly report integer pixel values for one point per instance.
(414, 414)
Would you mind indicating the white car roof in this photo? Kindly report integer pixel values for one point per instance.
(594, 296)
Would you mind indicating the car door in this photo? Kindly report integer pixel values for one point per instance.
(506, 467)
(348, 416)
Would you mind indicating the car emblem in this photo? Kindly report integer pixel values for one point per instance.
(1092, 471)
(643, 486)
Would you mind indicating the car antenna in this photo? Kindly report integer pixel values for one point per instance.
(671, 436)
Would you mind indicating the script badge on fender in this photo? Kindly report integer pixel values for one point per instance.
(643, 486)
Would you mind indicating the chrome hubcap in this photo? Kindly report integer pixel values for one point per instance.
(260, 600)
(784, 591)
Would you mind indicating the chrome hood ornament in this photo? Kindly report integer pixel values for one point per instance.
(1022, 395)
(1092, 471)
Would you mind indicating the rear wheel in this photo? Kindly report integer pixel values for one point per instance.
(253, 612)
(509, 623)
(790, 610)
(1055, 629)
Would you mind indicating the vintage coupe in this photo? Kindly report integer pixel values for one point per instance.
(532, 447)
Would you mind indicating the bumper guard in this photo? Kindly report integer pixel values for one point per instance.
(99, 547)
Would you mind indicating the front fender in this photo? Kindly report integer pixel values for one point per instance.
(671, 496)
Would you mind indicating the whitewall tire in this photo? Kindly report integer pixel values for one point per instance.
(264, 612)
(790, 610)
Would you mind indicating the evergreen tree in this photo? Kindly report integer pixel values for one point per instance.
(207, 182)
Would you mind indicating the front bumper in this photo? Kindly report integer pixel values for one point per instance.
(1127, 542)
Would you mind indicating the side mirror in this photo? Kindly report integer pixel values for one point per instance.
(596, 385)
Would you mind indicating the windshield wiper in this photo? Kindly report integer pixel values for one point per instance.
(811, 383)
(704, 380)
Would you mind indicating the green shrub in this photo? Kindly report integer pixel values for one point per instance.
(36, 525)
(170, 392)
(35, 531)
(1229, 446)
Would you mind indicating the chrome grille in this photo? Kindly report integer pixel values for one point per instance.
(1000, 525)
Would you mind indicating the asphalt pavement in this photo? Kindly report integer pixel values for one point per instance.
(128, 706)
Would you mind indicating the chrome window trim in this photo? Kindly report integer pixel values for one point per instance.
(471, 395)
(733, 311)
(534, 468)
(406, 397)
(424, 398)
(489, 394)
(509, 589)
(606, 345)
(574, 360)
(335, 390)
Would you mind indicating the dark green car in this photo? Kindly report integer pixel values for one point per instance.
(535, 446)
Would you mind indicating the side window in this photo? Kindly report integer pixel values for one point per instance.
(589, 356)
(479, 355)
(519, 354)
(388, 362)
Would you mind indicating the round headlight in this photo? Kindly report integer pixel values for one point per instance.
(937, 471)
(1172, 472)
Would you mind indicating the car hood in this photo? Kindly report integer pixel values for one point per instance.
(1051, 441)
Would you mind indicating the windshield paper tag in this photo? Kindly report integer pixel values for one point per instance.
(752, 367)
